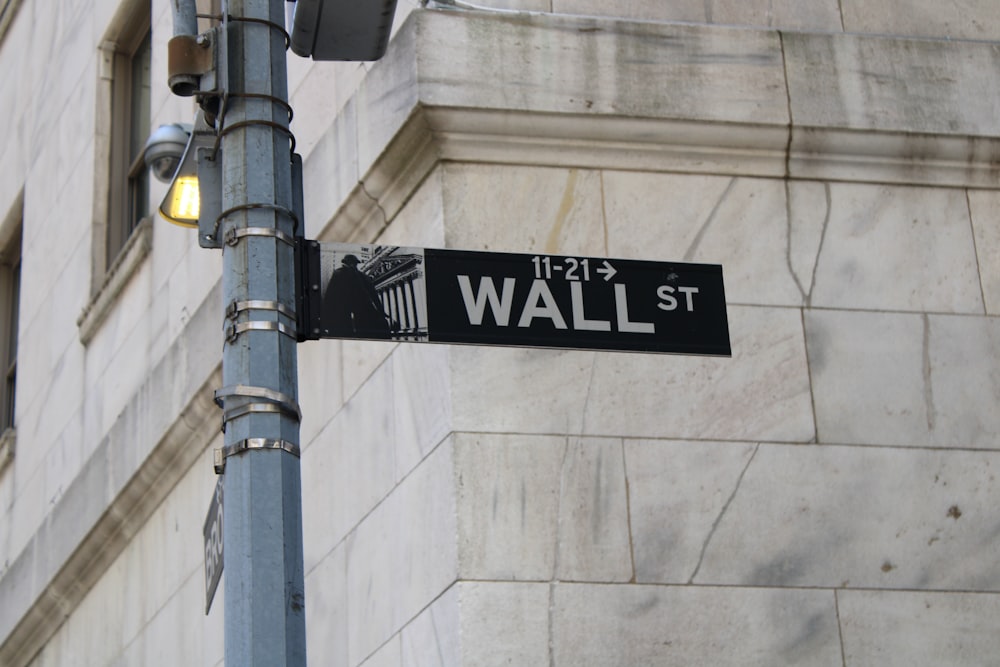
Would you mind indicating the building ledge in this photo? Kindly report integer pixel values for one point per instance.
(606, 94)
(125, 265)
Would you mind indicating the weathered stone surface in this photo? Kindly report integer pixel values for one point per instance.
(634, 395)
(893, 248)
(985, 209)
(537, 507)
(581, 65)
(556, 211)
(904, 379)
(402, 556)
(788, 14)
(741, 223)
(844, 517)
(677, 492)
(898, 629)
(954, 19)
(648, 626)
(881, 83)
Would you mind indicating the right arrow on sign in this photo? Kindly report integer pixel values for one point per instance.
(608, 271)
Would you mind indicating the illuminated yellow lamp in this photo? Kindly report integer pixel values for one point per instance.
(182, 203)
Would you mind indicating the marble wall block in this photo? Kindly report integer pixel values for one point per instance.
(319, 369)
(677, 492)
(787, 14)
(401, 556)
(331, 170)
(530, 391)
(741, 223)
(898, 629)
(323, 88)
(479, 624)
(953, 19)
(985, 208)
(538, 507)
(420, 222)
(585, 66)
(326, 608)
(387, 656)
(844, 517)
(648, 626)
(896, 85)
(593, 538)
(504, 624)
(433, 639)
(556, 211)
(421, 400)
(325, 516)
(508, 504)
(897, 248)
(762, 392)
(902, 379)
(348, 469)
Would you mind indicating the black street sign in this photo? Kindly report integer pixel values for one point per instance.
(213, 545)
(511, 299)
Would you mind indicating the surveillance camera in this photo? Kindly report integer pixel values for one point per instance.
(164, 149)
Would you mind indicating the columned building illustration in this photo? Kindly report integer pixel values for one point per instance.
(826, 496)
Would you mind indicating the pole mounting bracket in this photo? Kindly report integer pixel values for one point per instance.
(220, 455)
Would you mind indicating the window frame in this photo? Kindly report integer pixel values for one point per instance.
(128, 191)
(120, 241)
(11, 232)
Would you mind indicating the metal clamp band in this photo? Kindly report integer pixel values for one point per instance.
(233, 331)
(255, 408)
(252, 443)
(234, 235)
(263, 393)
(252, 207)
(237, 307)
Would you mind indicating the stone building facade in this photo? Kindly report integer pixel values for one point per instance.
(824, 497)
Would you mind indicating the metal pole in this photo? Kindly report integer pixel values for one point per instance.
(264, 588)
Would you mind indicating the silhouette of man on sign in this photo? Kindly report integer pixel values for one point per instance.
(351, 307)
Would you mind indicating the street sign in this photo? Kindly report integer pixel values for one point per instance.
(213, 545)
(511, 299)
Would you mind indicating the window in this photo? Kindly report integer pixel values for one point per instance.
(130, 102)
(122, 228)
(10, 301)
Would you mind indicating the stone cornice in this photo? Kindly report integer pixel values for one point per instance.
(599, 93)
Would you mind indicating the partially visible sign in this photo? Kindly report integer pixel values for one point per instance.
(511, 299)
(213, 545)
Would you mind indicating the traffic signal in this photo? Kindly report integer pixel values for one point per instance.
(342, 29)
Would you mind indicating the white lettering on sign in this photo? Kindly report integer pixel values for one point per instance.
(475, 305)
(580, 321)
(666, 294)
(540, 303)
(213, 545)
(540, 292)
(621, 309)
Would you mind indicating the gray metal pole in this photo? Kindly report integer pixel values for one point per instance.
(263, 567)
